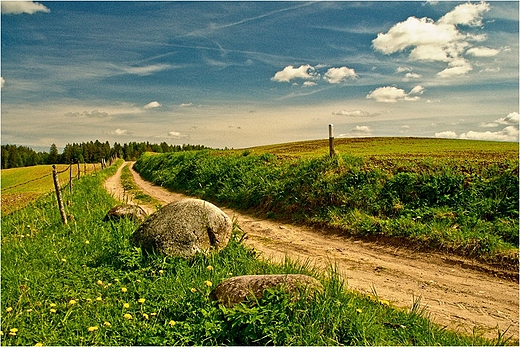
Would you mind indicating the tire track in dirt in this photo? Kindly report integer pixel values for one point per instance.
(456, 294)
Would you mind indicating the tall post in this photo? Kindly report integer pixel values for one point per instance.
(332, 152)
(58, 194)
(79, 171)
(70, 178)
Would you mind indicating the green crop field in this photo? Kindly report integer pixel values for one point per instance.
(85, 284)
(448, 195)
(20, 186)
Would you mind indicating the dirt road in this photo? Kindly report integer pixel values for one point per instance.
(459, 293)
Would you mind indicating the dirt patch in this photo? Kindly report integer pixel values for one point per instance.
(458, 294)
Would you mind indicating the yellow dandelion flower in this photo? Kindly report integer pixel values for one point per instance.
(153, 314)
(145, 316)
(87, 242)
(107, 324)
(52, 310)
(138, 281)
(94, 328)
(384, 302)
(9, 309)
(172, 323)
(100, 282)
(38, 344)
(193, 290)
(126, 305)
(358, 310)
(52, 305)
(64, 260)
(209, 268)
(116, 279)
(72, 302)
(13, 330)
(161, 272)
(208, 283)
(29, 310)
(141, 301)
(127, 316)
(99, 298)
(124, 290)
(89, 300)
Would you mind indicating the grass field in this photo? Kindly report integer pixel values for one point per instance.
(85, 284)
(450, 195)
(20, 186)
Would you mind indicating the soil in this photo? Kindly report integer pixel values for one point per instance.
(459, 293)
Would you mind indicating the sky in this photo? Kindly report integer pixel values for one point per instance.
(244, 73)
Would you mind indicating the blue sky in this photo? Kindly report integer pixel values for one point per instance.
(240, 74)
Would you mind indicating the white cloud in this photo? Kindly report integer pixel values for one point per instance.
(87, 114)
(147, 70)
(438, 41)
(19, 7)
(355, 113)
(457, 67)
(119, 132)
(290, 72)
(446, 134)
(2, 82)
(394, 94)
(509, 133)
(361, 130)
(482, 52)
(189, 104)
(510, 119)
(153, 104)
(309, 84)
(175, 134)
(411, 75)
(339, 74)
(403, 69)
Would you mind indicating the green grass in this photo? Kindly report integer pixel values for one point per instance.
(130, 187)
(450, 201)
(85, 284)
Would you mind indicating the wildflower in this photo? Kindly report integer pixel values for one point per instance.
(99, 298)
(13, 330)
(64, 260)
(100, 282)
(145, 316)
(127, 316)
(38, 344)
(116, 279)
(384, 302)
(89, 300)
(358, 310)
(138, 281)
(208, 283)
(153, 314)
(230, 274)
(52, 305)
(141, 301)
(193, 290)
(209, 268)
(52, 310)
(161, 272)
(172, 323)
(9, 309)
(72, 302)
(94, 328)
(126, 305)
(29, 310)
(107, 324)
(87, 242)
(124, 290)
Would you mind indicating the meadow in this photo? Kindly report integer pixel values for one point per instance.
(444, 195)
(85, 284)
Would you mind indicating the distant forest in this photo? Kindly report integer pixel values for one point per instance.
(86, 152)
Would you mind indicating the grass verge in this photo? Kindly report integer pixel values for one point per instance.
(85, 284)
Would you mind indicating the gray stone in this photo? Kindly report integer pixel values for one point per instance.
(185, 228)
(134, 212)
(236, 289)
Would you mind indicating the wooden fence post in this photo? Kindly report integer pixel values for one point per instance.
(58, 194)
(70, 179)
(332, 152)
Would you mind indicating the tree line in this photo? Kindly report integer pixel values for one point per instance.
(86, 152)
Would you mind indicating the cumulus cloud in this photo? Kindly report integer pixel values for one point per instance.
(309, 84)
(355, 113)
(119, 132)
(482, 52)
(339, 74)
(175, 134)
(410, 76)
(87, 114)
(290, 72)
(19, 7)
(361, 130)
(510, 119)
(446, 135)
(153, 104)
(509, 133)
(393, 94)
(442, 41)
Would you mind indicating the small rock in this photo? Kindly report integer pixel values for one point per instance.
(235, 290)
(134, 212)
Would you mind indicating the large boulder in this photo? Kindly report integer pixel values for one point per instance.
(134, 212)
(236, 289)
(185, 228)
